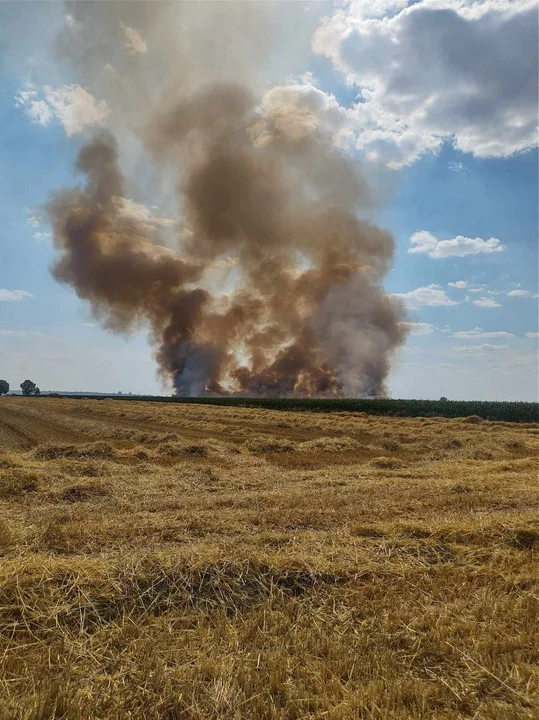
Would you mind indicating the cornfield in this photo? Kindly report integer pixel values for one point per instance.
(524, 412)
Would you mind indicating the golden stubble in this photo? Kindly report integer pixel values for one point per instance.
(186, 561)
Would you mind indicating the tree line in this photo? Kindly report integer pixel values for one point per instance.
(27, 388)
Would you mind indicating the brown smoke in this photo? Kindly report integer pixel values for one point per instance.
(269, 206)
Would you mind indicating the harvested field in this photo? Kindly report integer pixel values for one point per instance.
(196, 561)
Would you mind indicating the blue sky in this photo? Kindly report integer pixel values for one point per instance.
(469, 174)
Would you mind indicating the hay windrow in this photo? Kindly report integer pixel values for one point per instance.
(198, 561)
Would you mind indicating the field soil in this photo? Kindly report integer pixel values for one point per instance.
(170, 561)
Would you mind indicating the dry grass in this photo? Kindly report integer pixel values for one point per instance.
(205, 562)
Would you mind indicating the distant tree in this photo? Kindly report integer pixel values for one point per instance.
(28, 387)
(4, 387)
(37, 391)
(443, 399)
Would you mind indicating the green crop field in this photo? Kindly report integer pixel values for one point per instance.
(502, 411)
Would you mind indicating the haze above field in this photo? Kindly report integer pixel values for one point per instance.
(444, 133)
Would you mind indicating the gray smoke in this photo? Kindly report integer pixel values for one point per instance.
(269, 210)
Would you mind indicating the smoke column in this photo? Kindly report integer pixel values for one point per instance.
(272, 285)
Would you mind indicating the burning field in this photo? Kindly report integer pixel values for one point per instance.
(186, 561)
(178, 561)
(266, 277)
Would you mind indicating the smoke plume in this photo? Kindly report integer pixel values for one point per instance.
(272, 285)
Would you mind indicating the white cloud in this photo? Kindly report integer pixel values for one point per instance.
(458, 167)
(300, 109)
(76, 108)
(34, 218)
(13, 295)
(483, 348)
(486, 302)
(36, 221)
(378, 8)
(435, 71)
(71, 104)
(518, 293)
(134, 40)
(461, 284)
(482, 289)
(532, 334)
(431, 296)
(479, 334)
(37, 110)
(418, 328)
(424, 242)
(42, 236)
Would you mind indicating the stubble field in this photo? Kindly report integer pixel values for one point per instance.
(190, 561)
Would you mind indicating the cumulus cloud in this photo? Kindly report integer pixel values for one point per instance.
(299, 109)
(518, 293)
(435, 71)
(424, 242)
(460, 284)
(378, 8)
(13, 295)
(532, 334)
(431, 296)
(37, 109)
(72, 105)
(479, 333)
(134, 41)
(418, 328)
(486, 302)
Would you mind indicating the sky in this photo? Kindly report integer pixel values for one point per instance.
(435, 99)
